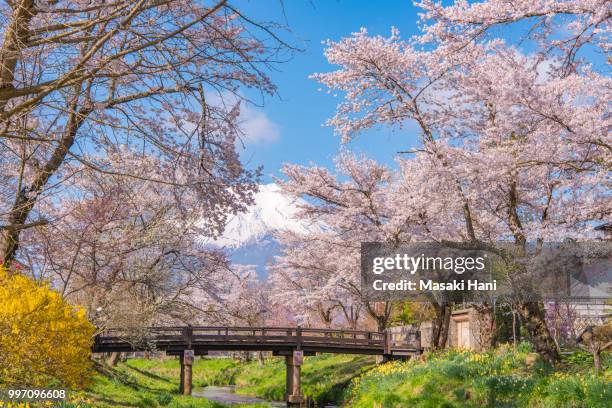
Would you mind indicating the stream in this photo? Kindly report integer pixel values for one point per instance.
(227, 395)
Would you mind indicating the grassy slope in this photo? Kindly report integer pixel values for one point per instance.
(208, 371)
(500, 378)
(154, 383)
(324, 377)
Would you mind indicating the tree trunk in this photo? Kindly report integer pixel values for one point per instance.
(325, 314)
(381, 325)
(597, 360)
(15, 36)
(441, 325)
(27, 197)
(442, 341)
(351, 314)
(380, 312)
(532, 314)
(486, 325)
(514, 329)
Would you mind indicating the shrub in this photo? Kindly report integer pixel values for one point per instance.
(44, 341)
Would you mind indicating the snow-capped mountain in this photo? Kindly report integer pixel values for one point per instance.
(272, 211)
(248, 237)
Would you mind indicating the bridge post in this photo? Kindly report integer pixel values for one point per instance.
(182, 379)
(186, 359)
(293, 363)
(387, 346)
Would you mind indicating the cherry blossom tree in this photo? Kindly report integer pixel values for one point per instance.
(564, 28)
(514, 147)
(305, 279)
(127, 248)
(80, 79)
(243, 300)
(320, 269)
(323, 267)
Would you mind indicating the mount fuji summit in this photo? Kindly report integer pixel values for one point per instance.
(249, 236)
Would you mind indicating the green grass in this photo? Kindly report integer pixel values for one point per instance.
(153, 384)
(208, 371)
(499, 378)
(324, 377)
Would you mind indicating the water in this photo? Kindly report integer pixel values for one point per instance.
(227, 395)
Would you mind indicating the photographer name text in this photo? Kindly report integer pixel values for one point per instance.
(431, 285)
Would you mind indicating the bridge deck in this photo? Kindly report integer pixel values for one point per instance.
(173, 340)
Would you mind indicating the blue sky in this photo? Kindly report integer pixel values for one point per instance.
(288, 127)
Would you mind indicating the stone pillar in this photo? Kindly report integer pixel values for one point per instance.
(185, 384)
(293, 363)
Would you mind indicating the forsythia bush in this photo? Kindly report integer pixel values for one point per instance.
(44, 341)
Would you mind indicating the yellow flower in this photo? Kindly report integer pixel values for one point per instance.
(42, 338)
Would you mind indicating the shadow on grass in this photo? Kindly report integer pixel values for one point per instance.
(149, 374)
(124, 379)
(336, 393)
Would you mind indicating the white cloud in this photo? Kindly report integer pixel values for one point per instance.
(256, 126)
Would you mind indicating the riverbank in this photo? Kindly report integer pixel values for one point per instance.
(154, 383)
(148, 384)
(500, 378)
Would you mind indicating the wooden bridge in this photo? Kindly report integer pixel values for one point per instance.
(293, 343)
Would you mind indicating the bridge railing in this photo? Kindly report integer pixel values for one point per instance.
(203, 334)
(216, 336)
